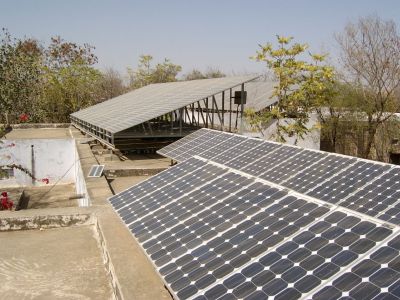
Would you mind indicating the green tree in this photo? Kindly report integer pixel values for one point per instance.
(146, 74)
(194, 75)
(214, 73)
(301, 86)
(210, 73)
(110, 85)
(70, 81)
(336, 112)
(20, 70)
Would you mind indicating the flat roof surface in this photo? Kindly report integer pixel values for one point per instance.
(39, 133)
(62, 263)
(152, 101)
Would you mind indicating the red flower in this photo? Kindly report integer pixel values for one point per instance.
(5, 203)
(23, 117)
(11, 145)
(45, 180)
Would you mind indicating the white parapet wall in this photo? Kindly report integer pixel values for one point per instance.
(52, 159)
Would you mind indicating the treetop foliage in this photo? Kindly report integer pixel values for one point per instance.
(147, 74)
(301, 86)
(209, 73)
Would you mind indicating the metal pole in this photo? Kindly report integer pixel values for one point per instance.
(212, 111)
(223, 110)
(180, 121)
(198, 113)
(192, 107)
(241, 109)
(230, 110)
(207, 116)
(199, 109)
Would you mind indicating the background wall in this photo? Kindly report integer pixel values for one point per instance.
(54, 159)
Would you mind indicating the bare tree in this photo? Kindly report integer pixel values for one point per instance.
(110, 85)
(209, 73)
(371, 60)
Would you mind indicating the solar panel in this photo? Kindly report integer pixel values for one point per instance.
(224, 145)
(96, 171)
(223, 225)
(209, 140)
(296, 267)
(152, 101)
(246, 157)
(377, 275)
(344, 183)
(171, 147)
(234, 156)
(261, 166)
(292, 165)
(378, 197)
(167, 194)
(152, 184)
(311, 177)
(189, 149)
(225, 254)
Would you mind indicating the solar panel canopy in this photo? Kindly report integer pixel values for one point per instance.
(152, 101)
(242, 218)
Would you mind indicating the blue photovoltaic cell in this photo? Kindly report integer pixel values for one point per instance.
(375, 277)
(225, 145)
(298, 266)
(240, 156)
(237, 246)
(267, 162)
(195, 201)
(168, 193)
(167, 150)
(147, 187)
(343, 184)
(310, 178)
(211, 139)
(379, 198)
(194, 146)
(292, 165)
(231, 156)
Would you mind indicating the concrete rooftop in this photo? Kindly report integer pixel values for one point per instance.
(61, 263)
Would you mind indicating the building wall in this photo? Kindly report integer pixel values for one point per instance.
(310, 141)
(53, 159)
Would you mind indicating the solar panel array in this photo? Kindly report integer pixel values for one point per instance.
(152, 101)
(368, 187)
(228, 223)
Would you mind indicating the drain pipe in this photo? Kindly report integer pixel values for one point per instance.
(33, 164)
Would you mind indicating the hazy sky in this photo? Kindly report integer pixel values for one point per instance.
(194, 34)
